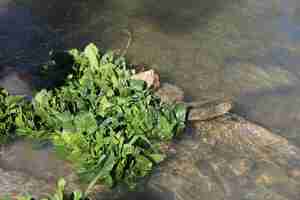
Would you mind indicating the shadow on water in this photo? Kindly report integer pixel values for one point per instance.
(176, 16)
(65, 14)
(26, 40)
(30, 29)
(25, 43)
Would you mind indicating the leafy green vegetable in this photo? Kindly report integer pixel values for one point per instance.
(109, 125)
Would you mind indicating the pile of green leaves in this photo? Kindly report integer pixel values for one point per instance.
(108, 124)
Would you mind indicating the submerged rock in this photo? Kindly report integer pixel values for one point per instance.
(15, 183)
(206, 111)
(229, 158)
(197, 111)
(26, 168)
(241, 77)
(276, 109)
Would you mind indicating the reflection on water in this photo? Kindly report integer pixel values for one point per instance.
(248, 50)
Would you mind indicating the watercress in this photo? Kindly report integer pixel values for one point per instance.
(109, 125)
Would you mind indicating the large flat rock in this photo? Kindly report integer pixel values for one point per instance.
(229, 158)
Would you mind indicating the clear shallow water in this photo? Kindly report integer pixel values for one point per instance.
(248, 50)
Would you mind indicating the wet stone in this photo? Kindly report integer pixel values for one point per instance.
(268, 174)
(245, 162)
(36, 164)
(170, 93)
(207, 111)
(15, 183)
(262, 193)
(241, 167)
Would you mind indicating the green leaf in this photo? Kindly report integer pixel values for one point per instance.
(138, 85)
(166, 128)
(77, 195)
(92, 53)
(66, 121)
(180, 112)
(107, 58)
(42, 97)
(13, 100)
(85, 122)
(157, 158)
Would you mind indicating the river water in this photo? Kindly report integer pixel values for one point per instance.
(247, 50)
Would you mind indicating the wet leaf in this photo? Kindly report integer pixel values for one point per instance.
(92, 53)
(107, 124)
